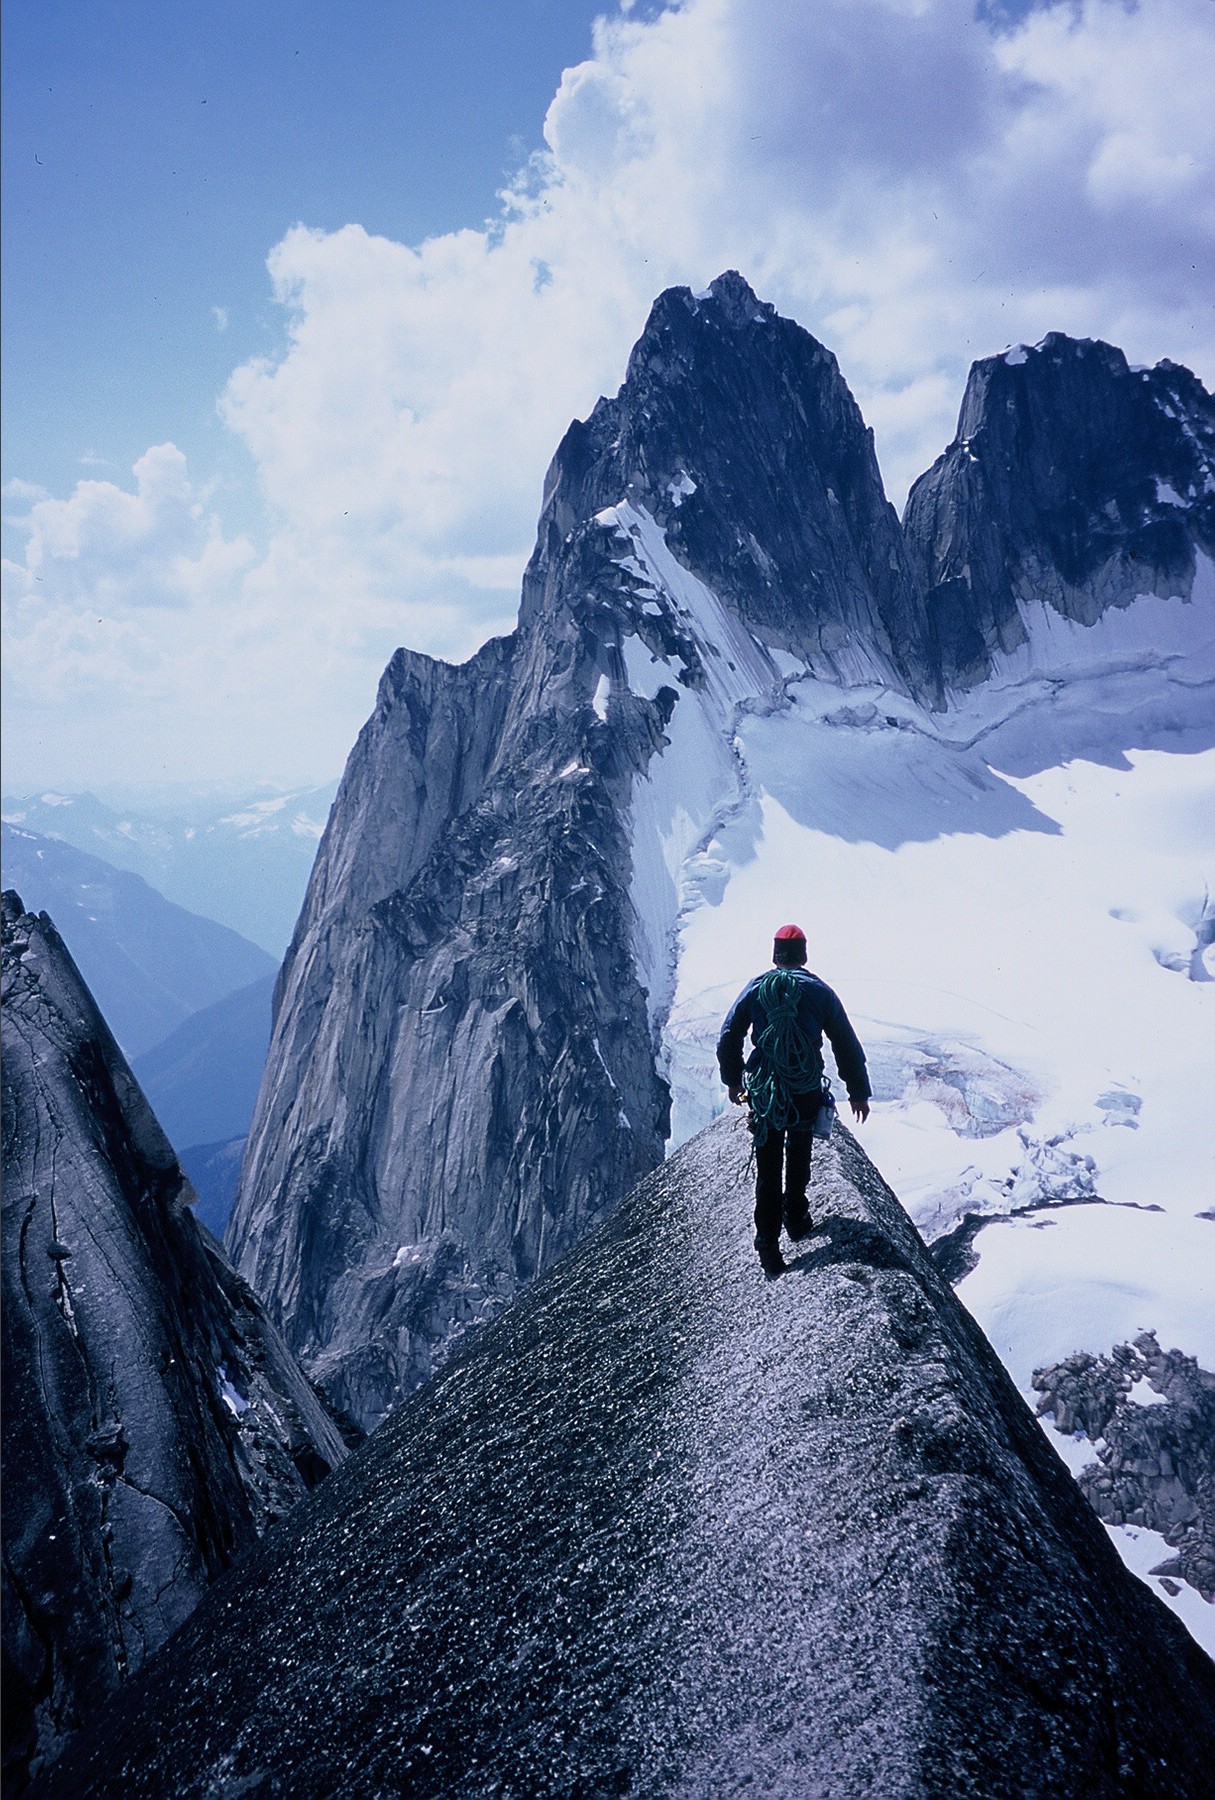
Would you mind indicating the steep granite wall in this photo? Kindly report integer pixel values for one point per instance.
(1074, 480)
(154, 1421)
(463, 1069)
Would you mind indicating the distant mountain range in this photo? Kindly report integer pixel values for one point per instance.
(244, 863)
(150, 963)
(202, 1084)
(214, 1169)
(202, 1079)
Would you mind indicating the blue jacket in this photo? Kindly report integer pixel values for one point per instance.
(818, 1011)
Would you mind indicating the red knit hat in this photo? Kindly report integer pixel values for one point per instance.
(789, 945)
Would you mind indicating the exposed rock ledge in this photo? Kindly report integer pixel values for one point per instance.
(665, 1528)
(154, 1420)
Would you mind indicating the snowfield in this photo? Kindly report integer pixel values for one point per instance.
(1015, 900)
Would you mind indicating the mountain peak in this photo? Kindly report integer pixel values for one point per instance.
(736, 432)
(738, 300)
(729, 299)
(1075, 483)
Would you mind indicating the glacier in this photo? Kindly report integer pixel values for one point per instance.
(1026, 956)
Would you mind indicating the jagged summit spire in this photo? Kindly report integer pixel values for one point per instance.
(781, 511)
(738, 300)
(729, 299)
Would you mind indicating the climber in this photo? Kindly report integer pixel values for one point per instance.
(787, 1010)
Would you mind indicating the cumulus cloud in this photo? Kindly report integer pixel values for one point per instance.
(125, 608)
(915, 184)
(112, 551)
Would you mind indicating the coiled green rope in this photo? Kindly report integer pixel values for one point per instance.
(788, 1063)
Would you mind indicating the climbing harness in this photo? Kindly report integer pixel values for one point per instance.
(787, 1064)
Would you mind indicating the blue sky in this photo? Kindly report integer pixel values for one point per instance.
(300, 298)
(154, 153)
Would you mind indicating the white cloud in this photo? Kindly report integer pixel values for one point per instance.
(112, 551)
(16, 489)
(914, 185)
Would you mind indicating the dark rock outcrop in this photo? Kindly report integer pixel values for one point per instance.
(462, 1072)
(1074, 480)
(1155, 1457)
(154, 1421)
(737, 432)
(668, 1529)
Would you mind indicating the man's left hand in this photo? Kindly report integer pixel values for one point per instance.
(860, 1110)
(738, 1095)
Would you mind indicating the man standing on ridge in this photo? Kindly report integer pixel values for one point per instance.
(787, 1010)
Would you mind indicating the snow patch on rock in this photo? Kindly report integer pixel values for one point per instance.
(695, 785)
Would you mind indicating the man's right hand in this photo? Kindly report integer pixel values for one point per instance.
(738, 1096)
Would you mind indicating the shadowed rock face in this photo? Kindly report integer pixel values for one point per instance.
(736, 430)
(665, 1529)
(154, 1421)
(1075, 480)
(462, 1074)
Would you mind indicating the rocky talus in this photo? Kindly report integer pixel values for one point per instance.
(154, 1423)
(1150, 1415)
(665, 1528)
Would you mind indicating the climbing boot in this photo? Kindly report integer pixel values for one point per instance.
(798, 1222)
(770, 1258)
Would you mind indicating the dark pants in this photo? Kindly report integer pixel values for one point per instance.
(782, 1170)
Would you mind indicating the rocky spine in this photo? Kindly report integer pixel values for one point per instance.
(665, 1528)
